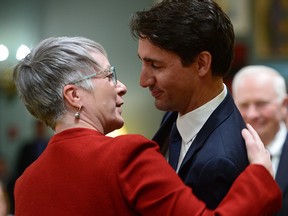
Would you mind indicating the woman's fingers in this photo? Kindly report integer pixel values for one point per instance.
(256, 152)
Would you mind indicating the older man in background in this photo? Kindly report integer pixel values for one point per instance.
(260, 94)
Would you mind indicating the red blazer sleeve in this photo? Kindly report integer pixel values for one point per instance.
(152, 187)
(253, 193)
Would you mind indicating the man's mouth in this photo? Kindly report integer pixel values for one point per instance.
(155, 93)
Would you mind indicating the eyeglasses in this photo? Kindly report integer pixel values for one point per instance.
(109, 72)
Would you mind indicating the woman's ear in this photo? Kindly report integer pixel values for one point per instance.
(204, 61)
(71, 95)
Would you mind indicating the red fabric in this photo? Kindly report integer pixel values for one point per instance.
(82, 172)
(256, 186)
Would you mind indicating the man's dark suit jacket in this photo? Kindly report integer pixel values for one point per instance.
(282, 178)
(216, 156)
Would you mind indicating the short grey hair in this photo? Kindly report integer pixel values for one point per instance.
(55, 62)
(278, 80)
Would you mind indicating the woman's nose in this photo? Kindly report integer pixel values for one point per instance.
(121, 88)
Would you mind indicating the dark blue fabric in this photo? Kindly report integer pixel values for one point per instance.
(282, 179)
(174, 146)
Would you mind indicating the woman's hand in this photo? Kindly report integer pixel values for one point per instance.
(257, 154)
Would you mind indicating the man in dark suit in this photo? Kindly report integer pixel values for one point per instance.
(186, 48)
(260, 94)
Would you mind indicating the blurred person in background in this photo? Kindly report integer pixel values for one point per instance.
(69, 84)
(33, 148)
(3, 200)
(260, 93)
(4, 174)
(30, 150)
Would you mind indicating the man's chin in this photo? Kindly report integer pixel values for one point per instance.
(163, 106)
(159, 105)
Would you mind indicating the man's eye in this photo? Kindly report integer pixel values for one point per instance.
(262, 104)
(155, 66)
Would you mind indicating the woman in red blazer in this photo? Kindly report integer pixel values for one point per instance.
(68, 83)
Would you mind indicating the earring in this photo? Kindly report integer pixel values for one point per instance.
(77, 114)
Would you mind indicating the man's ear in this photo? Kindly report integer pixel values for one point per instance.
(71, 94)
(204, 61)
(285, 108)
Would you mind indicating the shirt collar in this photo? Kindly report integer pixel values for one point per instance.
(275, 146)
(189, 124)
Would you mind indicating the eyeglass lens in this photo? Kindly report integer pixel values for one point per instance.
(114, 76)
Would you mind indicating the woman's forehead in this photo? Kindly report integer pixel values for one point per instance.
(100, 59)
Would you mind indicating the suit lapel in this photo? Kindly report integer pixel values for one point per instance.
(222, 112)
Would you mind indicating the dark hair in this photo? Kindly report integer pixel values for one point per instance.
(188, 27)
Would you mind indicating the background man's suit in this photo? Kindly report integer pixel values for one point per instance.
(282, 178)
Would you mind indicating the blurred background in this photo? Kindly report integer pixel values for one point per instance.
(261, 28)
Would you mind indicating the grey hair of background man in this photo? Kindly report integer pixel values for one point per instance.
(55, 62)
(279, 83)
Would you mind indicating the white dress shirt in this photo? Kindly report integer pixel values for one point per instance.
(190, 124)
(276, 145)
